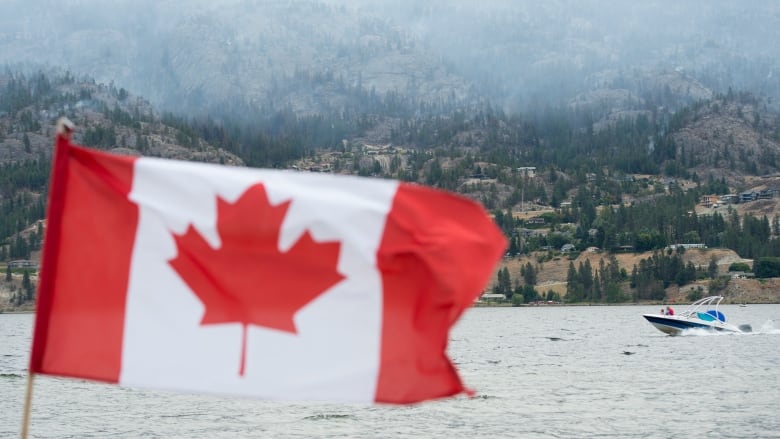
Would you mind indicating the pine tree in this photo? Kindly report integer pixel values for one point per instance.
(529, 274)
(26, 284)
(506, 283)
(572, 283)
(27, 145)
(712, 268)
(586, 277)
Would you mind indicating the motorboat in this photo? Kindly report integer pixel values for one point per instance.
(701, 314)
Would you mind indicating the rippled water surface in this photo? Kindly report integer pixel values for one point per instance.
(555, 372)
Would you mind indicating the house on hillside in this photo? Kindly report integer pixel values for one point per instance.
(492, 297)
(23, 264)
(670, 183)
(748, 196)
(530, 233)
(687, 246)
(728, 199)
(768, 193)
(528, 171)
(708, 200)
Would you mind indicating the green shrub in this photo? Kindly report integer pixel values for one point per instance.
(767, 267)
(696, 294)
(740, 266)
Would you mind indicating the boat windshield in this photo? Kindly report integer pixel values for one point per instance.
(705, 316)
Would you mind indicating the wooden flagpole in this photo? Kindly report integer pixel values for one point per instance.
(27, 405)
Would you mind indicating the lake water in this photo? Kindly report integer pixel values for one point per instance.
(546, 372)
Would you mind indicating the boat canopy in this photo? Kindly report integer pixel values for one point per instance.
(697, 309)
(717, 314)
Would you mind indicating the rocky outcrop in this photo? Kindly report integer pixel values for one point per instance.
(729, 136)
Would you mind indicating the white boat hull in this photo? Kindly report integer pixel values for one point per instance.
(701, 314)
(674, 325)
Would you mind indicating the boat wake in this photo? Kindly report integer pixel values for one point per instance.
(705, 332)
(768, 327)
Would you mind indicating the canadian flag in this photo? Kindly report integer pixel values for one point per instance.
(264, 283)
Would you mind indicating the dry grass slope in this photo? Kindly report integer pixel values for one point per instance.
(552, 274)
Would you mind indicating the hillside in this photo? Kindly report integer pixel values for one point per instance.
(729, 136)
(106, 117)
(551, 274)
(518, 54)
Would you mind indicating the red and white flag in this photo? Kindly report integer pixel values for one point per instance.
(271, 284)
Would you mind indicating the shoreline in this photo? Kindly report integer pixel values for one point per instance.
(510, 305)
(677, 304)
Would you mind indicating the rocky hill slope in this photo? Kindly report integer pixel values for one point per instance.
(105, 117)
(515, 53)
(728, 136)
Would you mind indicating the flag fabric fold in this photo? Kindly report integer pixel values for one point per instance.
(262, 283)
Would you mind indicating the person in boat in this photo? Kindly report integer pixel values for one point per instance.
(669, 311)
(663, 312)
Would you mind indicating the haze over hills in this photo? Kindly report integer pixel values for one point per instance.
(555, 76)
(433, 74)
(196, 55)
(544, 112)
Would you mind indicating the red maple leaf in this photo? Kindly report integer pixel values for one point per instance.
(247, 279)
